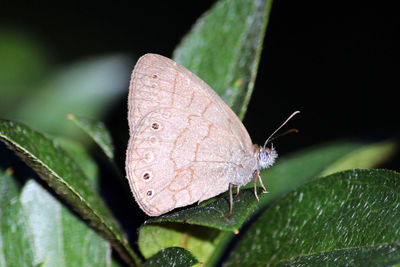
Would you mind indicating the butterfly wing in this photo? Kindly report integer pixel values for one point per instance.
(158, 81)
(186, 144)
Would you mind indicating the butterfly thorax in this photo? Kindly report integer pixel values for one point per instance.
(266, 156)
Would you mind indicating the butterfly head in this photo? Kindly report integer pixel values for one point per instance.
(266, 157)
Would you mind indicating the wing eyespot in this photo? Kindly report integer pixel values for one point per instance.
(156, 126)
(147, 176)
(149, 193)
(153, 140)
(148, 156)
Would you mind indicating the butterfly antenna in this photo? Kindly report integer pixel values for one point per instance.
(293, 130)
(284, 133)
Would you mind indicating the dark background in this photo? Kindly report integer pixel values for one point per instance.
(334, 62)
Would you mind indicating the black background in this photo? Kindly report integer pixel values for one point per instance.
(333, 61)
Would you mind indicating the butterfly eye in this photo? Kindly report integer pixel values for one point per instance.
(264, 155)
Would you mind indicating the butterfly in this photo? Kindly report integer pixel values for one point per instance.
(186, 145)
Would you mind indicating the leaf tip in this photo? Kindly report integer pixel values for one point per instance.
(71, 116)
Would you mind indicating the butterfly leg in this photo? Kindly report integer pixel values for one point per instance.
(258, 177)
(255, 189)
(230, 200)
(237, 191)
(261, 183)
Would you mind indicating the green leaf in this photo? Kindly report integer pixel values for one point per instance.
(201, 241)
(64, 175)
(224, 48)
(382, 255)
(229, 39)
(16, 247)
(214, 214)
(173, 256)
(350, 217)
(293, 170)
(290, 172)
(367, 156)
(81, 157)
(88, 88)
(97, 131)
(59, 237)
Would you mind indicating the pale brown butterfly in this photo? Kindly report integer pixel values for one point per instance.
(186, 145)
